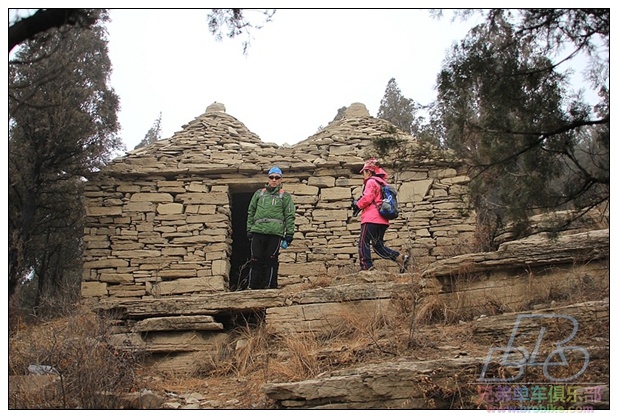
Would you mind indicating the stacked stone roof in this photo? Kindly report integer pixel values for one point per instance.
(216, 142)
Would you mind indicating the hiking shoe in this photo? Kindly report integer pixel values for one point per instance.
(404, 263)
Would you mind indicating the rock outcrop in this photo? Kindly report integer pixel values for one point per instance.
(510, 279)
(451, 382)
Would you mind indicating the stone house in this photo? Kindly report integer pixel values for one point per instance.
(169, 219)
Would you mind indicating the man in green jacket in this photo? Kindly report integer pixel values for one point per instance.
(270, 224)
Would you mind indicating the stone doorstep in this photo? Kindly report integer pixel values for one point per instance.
(246, 301)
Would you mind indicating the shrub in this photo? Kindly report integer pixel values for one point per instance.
(91, 374)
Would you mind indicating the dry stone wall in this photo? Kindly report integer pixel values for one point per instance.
(156, 237)
(159, 220)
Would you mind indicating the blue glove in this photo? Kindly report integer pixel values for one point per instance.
(284, 244)
(289, 239)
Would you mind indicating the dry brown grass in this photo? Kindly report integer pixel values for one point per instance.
(89, 372)
(298, 358)
(245, 354)
(415, 324)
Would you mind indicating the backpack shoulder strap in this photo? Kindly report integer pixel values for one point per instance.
(381, 184)
(263, 190)
(377, 180)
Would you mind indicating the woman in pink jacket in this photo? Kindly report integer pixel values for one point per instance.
(373, 226)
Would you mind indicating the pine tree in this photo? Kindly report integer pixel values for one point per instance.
(506, 109)
(397, 109)
(62, 127)
(153, 134)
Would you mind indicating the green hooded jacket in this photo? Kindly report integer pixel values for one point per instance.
(271, 211)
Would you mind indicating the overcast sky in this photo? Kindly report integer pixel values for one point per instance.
(298, 71)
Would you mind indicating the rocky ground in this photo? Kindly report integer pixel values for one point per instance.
(277, 370)
(458, 343)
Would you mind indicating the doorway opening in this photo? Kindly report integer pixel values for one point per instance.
(241, 247)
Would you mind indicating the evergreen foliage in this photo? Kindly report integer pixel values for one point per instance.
(153, 134)
(235, 23)
(23, 28)
(397, 109)
(506, 107)
(62, 127)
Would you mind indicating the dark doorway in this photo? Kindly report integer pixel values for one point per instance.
(241, 247)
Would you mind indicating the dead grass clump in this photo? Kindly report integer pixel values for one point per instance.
(575, 285)
(363, 320)
(493, 307)
(432, 309)
(245, 353)
(301, 352)
(465, 246)
(91, 373)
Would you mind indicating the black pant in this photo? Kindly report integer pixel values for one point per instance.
(373, 235)
(264, 261)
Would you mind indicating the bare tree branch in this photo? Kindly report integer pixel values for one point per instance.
(46, 19)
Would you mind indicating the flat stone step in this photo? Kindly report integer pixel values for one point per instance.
(178, 323)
